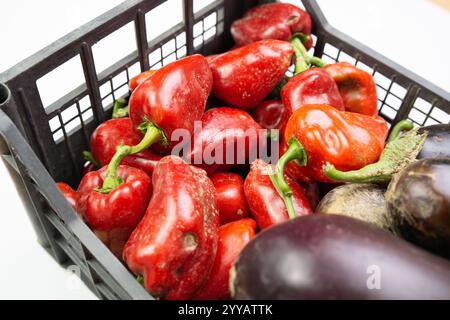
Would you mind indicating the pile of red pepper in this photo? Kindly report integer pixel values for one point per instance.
(179, 227)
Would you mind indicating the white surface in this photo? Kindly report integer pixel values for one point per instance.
(411, 32)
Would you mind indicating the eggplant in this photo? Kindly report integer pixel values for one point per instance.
(437, 143)
(336, 257)
(360, 201)
(418, 199)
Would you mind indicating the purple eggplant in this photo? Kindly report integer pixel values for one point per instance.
(418, 200)
(336, 257)
(437, 143)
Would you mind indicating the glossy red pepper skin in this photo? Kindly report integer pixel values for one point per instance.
(230, 197)
(314, 86)
(271, 114)
(174, 245)
(357, 88)
(271, 21)
(233, 237)
(114, 216)
(243, 77)
(137, 80)
(266, 205)
(174, 96)
(347, 140)
(115, 132)
(220, 125)
(68, 193)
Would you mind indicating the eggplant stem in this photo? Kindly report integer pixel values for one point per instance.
(397, 154)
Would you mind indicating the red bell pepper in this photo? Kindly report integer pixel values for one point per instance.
(243, 77)
(68, 193)
(347, 140)
(173, 98)
(228, 137)
(115, 132)
(271, 114)
(357, 88)
(230, 197)
(233, 237)
(313, 86)
(271, 21)
(174, 245)
(114, 215)
(266, 205)
(137, 80)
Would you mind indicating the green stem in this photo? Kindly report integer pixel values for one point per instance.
(89, 157)
(301, 56)
(397, 154)
(403, 125)
(152, 134)
(120, 109)
(303, 60)
(297, 153)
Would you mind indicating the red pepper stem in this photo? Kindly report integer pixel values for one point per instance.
(152, 134)
(397, 154)
(89, 157)
(403, 125)
(120, 109)
(303, 60)
(301, 55)
(297, 153)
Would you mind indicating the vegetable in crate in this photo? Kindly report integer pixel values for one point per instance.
(233, 237)
(137, 80)
(230, 197)
(68, 193)
(271, 114)
(313, 86)
(360, 201)
(115, 132)
(357, 88)
(228, 137)
(173, 98)
(346, 140)
(418, 199)
(113, 214)
(437, 143)
(245, 76)
(174, 245)
(265, 203)
(336, 257)
(271, 21)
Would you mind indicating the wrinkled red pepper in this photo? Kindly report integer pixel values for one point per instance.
(271, 21)
(173, 98)
(233, 237)
(243, 77)
(320, 134)
(219, 126)
(115, 132)
(230, 197)
(114, 215)
(137, 80)
(357, 88)
(68, 193)
(271, 114)
(174, 245)
(266, 205)
(313, 86)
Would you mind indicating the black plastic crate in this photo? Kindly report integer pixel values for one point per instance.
(39, 142)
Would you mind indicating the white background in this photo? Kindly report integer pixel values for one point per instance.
(413, 33)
